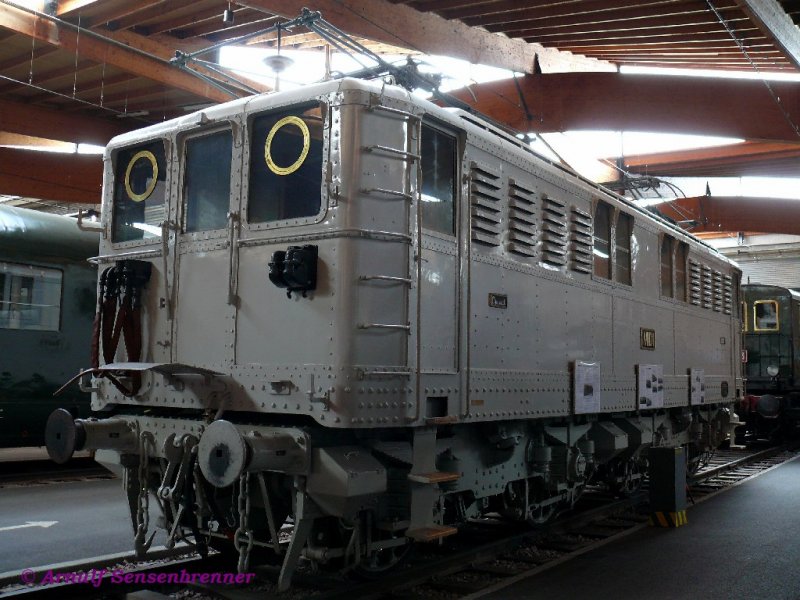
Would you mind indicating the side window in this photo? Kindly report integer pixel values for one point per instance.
(744, 315)
(666, 266)
(439, 154)
(602, 240)
(140, 175)
(681, 257)
(286, 165)
(622, 262)
(207, 181)
(765, 315)
(30, 297)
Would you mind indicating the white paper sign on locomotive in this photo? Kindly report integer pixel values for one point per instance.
(650, 387)
(697, 386)
(586, 387)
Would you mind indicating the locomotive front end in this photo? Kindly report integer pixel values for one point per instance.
(255, 286)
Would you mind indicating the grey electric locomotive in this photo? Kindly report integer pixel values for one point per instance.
(383, 317)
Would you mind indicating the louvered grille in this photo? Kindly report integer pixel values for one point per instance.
(727, 294)
(485, 200)
(707, 287)
(695, 285)
(580, 241)
(521, 218)
(718, 298)
(554, 232)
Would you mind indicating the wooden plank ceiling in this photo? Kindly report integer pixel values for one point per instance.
(84, 70)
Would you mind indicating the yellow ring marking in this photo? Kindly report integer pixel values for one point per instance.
(150, 186)
(301, 125)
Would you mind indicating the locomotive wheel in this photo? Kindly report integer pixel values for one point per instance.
(625, 479)
(541, 508)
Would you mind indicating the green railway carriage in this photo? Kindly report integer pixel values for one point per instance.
(47, 296)
(771, 327)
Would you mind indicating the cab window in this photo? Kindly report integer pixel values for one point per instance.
(438, 155)
(602, 240)
(681, 258)
(207, 181)
(140, 176)
(666, 266)
(286, 165)
(765, 315)
(622, 258)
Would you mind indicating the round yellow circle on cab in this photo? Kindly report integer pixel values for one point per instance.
(301, 125)
(150, 186)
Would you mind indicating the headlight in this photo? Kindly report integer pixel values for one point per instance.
(772, 370)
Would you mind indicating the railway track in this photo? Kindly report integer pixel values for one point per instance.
(487, 554)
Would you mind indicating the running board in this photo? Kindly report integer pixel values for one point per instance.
(431, 533)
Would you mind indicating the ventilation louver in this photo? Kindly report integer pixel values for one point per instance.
(581, 241)
(485, 199)
(521, 218)
(695, 283)
(554, 232)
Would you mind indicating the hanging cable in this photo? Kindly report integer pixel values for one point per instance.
(753, 64)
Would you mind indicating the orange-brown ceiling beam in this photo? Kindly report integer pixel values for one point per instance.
(400, 25)
(92, 48)
(16, 139)
(613, 101)
(66, 7)
(735, 213)
(51, 176)
(733, 160)
(16, 117)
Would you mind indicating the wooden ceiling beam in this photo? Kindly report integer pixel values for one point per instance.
(679, 24)
(16, 139)
(104, 85)
(25, 58)
(405, 27)
(155, 12)
(165, 46)
(732, 160)
(101, 51)
(51, 175)
(192, 19)
(216, 30)
(22, 118)
(612, 101)
(127, 10)
(735, 213)
(41, 78)
(633, 37)
(770, 17)
(67, 7)
(580, 10)
(725, 43)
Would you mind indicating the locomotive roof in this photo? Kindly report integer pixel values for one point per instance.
(31, 235)
(475, 123)
(767, 289)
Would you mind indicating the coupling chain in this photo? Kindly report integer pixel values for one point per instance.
(142, 544)
(243, 538)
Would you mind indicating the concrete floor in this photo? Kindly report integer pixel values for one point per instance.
(91, 518)
(742, 544)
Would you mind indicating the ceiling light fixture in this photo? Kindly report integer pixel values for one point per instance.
(227, 15)
(277, 62)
